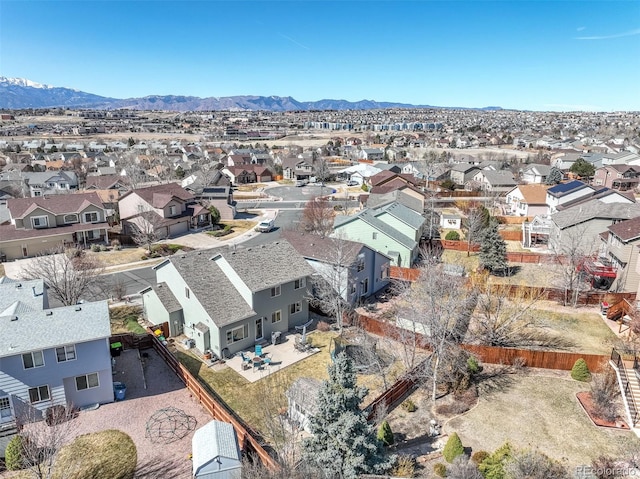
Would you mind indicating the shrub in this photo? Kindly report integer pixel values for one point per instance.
(452, 236)
(580, 371)
(144, 257)
(13, 454)
(453, 448)
(479, 456)
(473, 366)
(103, 247)
(409, 406)
(385, 435)
(74, 253)
(405, 466)
(323, 326)
(440, 469)
(493, 466)
(95, 248)
(604, 393)
(116, 245)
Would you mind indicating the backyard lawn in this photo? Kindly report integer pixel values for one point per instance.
(539, 412)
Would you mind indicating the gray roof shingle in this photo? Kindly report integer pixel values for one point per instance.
(595, 209)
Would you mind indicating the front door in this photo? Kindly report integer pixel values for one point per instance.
(5, 410)
(259, 334)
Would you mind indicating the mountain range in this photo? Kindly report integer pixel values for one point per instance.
(20, 93)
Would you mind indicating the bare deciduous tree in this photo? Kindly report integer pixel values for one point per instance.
(571, 249)
(43, 438)
(440, 306)
(146, 228)
(317, 217)
(68, 277)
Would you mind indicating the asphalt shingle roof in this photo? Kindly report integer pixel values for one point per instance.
(627, 230)
(56, 204)
(595, 209)
(44, 329)
(401, 212)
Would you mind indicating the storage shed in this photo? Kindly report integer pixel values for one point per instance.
(215, 452)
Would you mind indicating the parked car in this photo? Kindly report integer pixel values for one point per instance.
(265, 226)
(353, 183)
(302, 182)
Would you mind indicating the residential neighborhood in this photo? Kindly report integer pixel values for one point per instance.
(382, 243)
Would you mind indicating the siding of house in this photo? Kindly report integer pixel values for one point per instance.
(364, 233)
(92, 357)
(625, 257)
(400, 226)
(554, 202)
(584, 234)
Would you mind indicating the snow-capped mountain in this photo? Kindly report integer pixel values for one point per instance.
(24, 82)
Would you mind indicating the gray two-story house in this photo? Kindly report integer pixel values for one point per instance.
(226, 300)
(48, 357)
(354, 270)
(38, 225)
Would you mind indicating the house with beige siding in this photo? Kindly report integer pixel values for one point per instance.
(621, 248)
(41, 224)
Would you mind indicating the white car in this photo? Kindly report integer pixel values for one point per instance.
(265, 226)
(302, 182)
(353, 183)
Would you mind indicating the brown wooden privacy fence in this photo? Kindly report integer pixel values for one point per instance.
(459, 194)
(534, 358)
(513, 220)
(459, 245)
(403, 274)
(489, 354)
(132, 340)
(585, 298)
(536, 258)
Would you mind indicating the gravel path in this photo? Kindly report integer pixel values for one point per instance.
(163, 389)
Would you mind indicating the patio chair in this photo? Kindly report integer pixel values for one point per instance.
(246, 361)
(258, 350)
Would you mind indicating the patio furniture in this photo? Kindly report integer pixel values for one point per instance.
(246, 361)
(257, 362)
(267, 361)
(258, 351)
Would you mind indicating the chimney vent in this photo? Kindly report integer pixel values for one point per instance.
(14, 318)
(78, 308)
(49, 313)
(19, 285)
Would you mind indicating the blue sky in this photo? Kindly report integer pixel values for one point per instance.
(545, 55)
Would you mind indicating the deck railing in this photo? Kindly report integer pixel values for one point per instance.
(634, 413)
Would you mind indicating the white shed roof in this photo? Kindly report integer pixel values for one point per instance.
(215, 451)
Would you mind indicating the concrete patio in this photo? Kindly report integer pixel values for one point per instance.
(280, 355)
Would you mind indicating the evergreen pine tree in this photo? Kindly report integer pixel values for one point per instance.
(554, 177)
(493, 249)
(385, 435)
(453, 448)
(343, 444)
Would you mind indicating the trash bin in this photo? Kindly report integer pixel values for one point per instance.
(119, 391)
(116, 349)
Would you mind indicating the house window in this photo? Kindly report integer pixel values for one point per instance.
(276, 316)
(34, 359)
(187, 293)
(40, 221)
(39, 394)
(451, 222)
(360, 266)
(365, 287)
(295, 307)
(66, 353)
(299, 283)
(275, 291)
(353, 289)
(87, 381)
(172, 210)
(70, 218)
(374, 235)
(384, 273)
(91, 217)
(237, 334)
(37, 193)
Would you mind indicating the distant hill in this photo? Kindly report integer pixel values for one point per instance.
(20, 93)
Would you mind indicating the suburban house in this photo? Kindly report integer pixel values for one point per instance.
(240, 175)
(167, 209)
(462, 173)
(566, 192)
(297, 169)
(50, 357)
(41, 224)
(577, 229)
(372, 154)
(107, 182)
(535, 173)
(51, 182)
(354, 270)
(408, 195)
(621, 248)
(617, 177)
(227, 300)
(212, 190)
(392, 229)
(302, 399)
(527, 200)
(493, 181)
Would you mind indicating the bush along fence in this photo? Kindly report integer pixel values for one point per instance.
(488, 354)
(249, 439)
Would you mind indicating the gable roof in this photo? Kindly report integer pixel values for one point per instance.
(534, 194)
(215, 440)
(401, 212)
(369, 218)
(104, 182)
(627, 230)
(324, 248)
(44, 329)
(55, 204)
(538, 168)
(498, 178)
(595, 209)
(159, 196)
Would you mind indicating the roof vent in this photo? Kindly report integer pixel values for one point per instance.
(19, 285)
(49, 313)
(78, 308)
(261, 246)
(14, 318)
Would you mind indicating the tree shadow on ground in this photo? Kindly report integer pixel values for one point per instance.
(158, 468)
(506, 272)
(496, 380)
